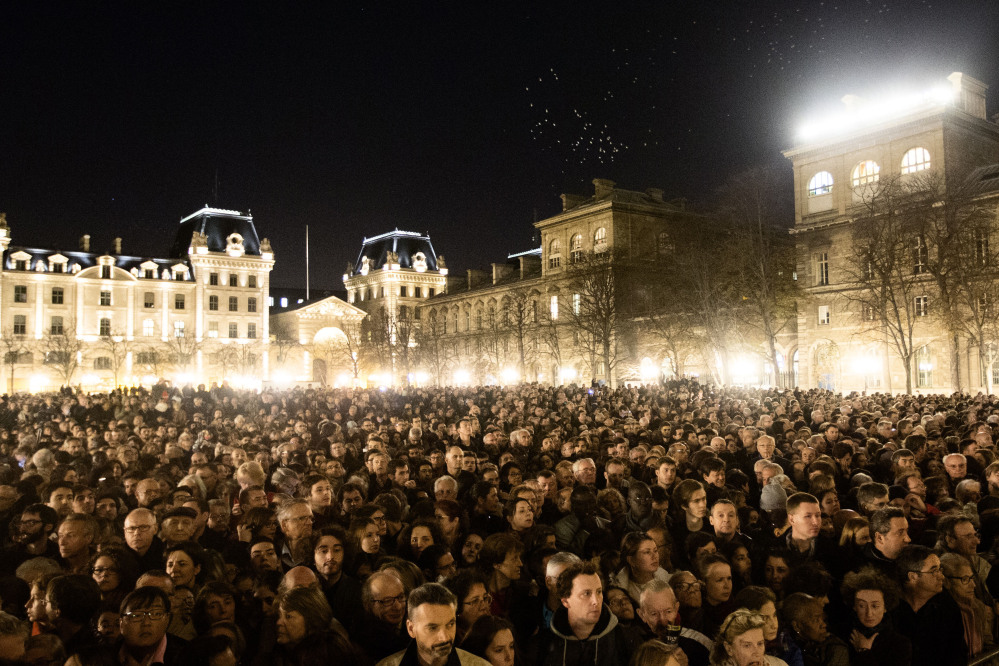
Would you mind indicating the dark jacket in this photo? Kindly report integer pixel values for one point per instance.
(607, 644)
(936, 631)
(890, 648)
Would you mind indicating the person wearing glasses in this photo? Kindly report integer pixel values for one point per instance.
(977, 617)
(927, 615)
(640, 557)
(140, 536)
(469, 588)
(959, 535)
(295, 518)
(31, 538)
(382, 631)
(145, 616)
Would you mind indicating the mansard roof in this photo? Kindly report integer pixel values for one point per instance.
(404, 243)
(217, 224)
(39, 258)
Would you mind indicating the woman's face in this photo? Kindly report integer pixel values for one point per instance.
(718, 583)
(370, 540)
(748, 648)
(268, 530)
(620, 604)
(774, 572)
(962, 583)
(862, 537)
(511, 566)
(741, 564)
(869, 605)
(830, 504)
(181, 568)
(419, 539)
(470, 551)
(105, 573)
(515, 477)
(769, 613)
(500, 651)
(697, 506)
(290, 626)
(475, 604)
(646, 558)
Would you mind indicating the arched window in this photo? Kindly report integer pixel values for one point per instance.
(865, 173)
(554, 253)
(917, 159)
(821, 183)
(600, 240)
(576, 248)
(664, 243)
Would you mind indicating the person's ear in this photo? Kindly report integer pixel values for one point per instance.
(411, 628)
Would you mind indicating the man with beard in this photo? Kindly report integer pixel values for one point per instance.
(432, 625)
(342, 591)
(31, 538)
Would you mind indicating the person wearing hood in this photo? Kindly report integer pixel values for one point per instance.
(583, 631)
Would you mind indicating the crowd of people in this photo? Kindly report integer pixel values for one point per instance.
(676, 524)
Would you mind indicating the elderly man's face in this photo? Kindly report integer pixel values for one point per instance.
(659, 611)
(388, 599)
(956, 467)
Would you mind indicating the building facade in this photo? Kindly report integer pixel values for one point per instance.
(101, 319)
(862, 168)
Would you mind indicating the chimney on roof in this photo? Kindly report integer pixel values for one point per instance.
(571, 201)
(117, 245)
(969, 94)
(655, 193)
(500, 271)
(602, 187)
(85, 242)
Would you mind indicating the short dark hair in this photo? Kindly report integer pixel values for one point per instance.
(143, 597)
(910, 560)
(563, 585)
(881, 519)
(430, 593)
(76, 596)
(797, 499)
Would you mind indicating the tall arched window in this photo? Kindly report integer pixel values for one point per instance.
(821, 183)
(916, 159)
(600, 240)
(664, 243)
(576, 248)
(865, 173)
(554, 253)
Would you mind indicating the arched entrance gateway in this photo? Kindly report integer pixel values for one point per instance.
(328, 345)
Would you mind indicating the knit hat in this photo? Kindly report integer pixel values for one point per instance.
(773, 497)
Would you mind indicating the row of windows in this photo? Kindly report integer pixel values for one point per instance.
(369, 294)
(553, 310)
(575, 247)
(868, 172)
(57, 327)
(920, 305)
(213, 304)
(148, 299)
(251, 280)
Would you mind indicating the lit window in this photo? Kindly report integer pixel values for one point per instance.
(213, 302)
(982, 247)
(102, 363)
(554, 253)
(554, 307)
(251, 330)
(20, 325)
(600, 239)
(56, 328)
(233, 304)
(576, 248)
(148, 328)
(922, 306)
(105, 298)
(149, 300)
(924, 367)
(576, 301)
(920, 256)
(57, 295)
(284, 302)
(916, 159)
(821, 183)
(20, 293)
(105, 327)
(865, 173)
(178, 302)
(824, 315)
(233, 330)
(213, 329)
(178, 329)
(251, 304)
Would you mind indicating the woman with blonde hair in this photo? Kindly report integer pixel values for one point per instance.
(740, 641)
(657, 653)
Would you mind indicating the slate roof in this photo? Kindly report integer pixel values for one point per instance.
(216, 224)
(405, 243)
(89, 259)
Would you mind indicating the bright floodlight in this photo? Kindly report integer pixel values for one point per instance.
(567, 374)
(462, 376)
(510, 376)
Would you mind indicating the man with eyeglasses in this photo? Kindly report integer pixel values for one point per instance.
(141, 539)
(927, 615)
(31, 538)
(381, 631)
(295, 518)
(960, 536)
(145, 616)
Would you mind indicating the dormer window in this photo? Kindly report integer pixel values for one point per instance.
(420, 262)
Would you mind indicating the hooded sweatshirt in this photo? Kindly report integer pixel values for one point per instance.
(607, 644)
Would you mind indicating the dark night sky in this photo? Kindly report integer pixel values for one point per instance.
(464, 119)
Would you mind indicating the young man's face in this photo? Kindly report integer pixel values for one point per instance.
(586, 600)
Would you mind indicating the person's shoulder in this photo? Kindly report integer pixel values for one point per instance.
(468, 659)
(392, 659)
(774, 661)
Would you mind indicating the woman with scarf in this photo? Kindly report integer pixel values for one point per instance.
(873, 641)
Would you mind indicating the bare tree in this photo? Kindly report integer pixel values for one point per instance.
(672, 334)
(434, 349)
(888, 267)
(343, 351)
(63, 351)
(182, 351)
(550, 336)
(592, 309)
(519, 314)
(283, 341)
(115, 348)
(15, 348)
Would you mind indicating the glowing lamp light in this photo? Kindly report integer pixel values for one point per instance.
(925, 366)
(510, 376)
(567, 374)
(183, 379)
(648, 370)
(148, 380)
(281, 378)
(37, 383)
(421, 377)
(462, 377)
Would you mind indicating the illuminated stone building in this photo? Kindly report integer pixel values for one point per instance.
(91, 318)
(840, 164)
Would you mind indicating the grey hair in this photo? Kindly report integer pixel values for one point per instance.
(559, 561)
